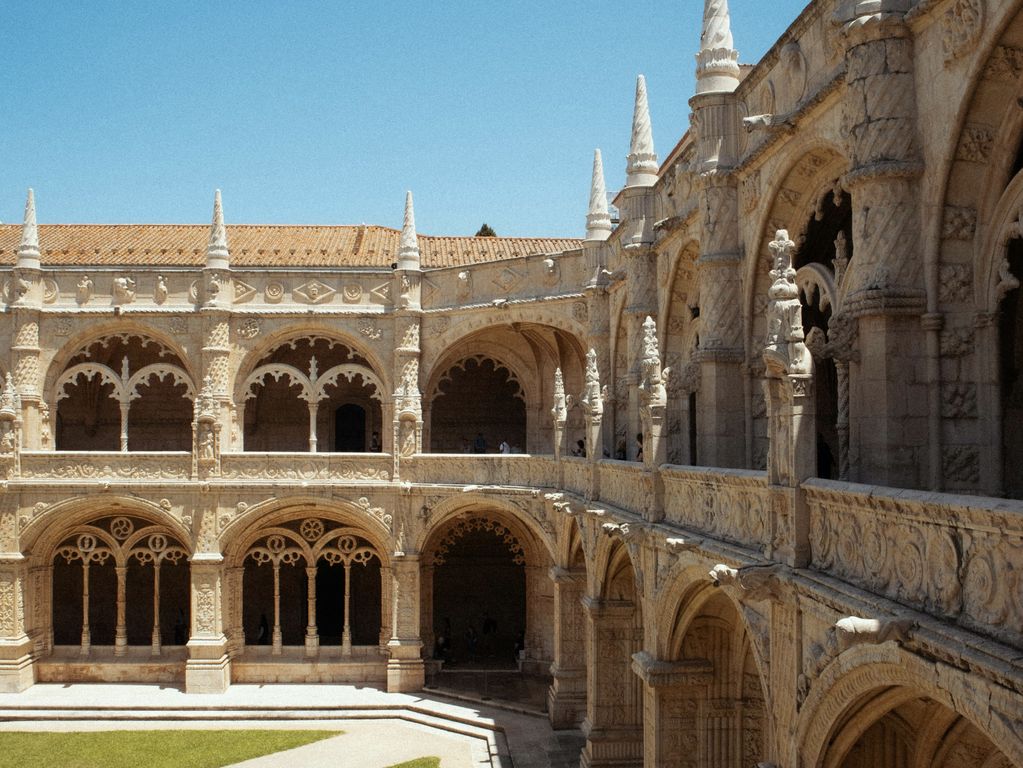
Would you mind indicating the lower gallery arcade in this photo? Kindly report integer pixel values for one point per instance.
(639, 648)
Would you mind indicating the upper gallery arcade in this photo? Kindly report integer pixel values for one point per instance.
(761, 498)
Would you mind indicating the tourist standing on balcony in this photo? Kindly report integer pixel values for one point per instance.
(374, 443)
(480, 445)
(504, 447)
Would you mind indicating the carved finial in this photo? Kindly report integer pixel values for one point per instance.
(9, 405)
(28, 251)
(217, 255)
(408, 250)
(591, 400)
(785, 351)
(717, 63)
(641, 170)
(598, 220)
(651, 386)
(560, 409)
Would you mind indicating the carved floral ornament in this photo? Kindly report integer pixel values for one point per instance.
(310, 540)
(125, 384)
(313, 386)
(467, 524)
(121, 539)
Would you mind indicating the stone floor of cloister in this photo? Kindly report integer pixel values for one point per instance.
(505, 729)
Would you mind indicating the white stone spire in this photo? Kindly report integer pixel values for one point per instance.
(408, 249)
(598, 220)
(28, 251)
(717, 63)
(217, 255)
(642, 168)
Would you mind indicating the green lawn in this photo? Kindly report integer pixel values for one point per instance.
(148, 749)
(419, 762)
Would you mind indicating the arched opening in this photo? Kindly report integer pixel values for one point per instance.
(1011, 375)
(729, 721)
(487, 605)
(125, 392)
(681, 343)
(312, 394)
(478, 404)
(479, 594)
(121, 582)
(311, 588)
(614, 706)
(566, 698)
(821, 263)
(896, 727)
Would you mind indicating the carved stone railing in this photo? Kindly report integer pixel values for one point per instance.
(627, 485)
(728, 504)
(957, 557)
(74, 465)
(481, 469)
(335, 467)
(577, 475)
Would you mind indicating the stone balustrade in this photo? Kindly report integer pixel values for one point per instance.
(335, 467)
(947, 555)
(627, 485)
(73, 465)
(728, 504)
(481, 469)
(576, 475)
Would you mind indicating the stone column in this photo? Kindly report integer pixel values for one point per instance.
(405, 669)
(721, 440)
(884, 295)
(672, 692)
(17, 669)
(208, 669)
(566, 697)
(614, 719)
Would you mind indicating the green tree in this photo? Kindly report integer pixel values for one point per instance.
(486, 231)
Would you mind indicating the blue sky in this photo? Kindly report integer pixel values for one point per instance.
(326, 112)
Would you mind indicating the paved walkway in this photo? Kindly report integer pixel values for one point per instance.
(381, 729)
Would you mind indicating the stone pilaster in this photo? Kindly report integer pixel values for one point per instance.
(721, 437)
(888, 429)
(405, 669)
(672, 692)
(566, 697)
(614, 719)
(208, 669)
(17, 669)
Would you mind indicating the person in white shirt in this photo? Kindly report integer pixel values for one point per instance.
(504, 447)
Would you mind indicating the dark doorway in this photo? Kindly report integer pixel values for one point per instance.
(350, 429)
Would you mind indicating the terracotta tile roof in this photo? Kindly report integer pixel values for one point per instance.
(261, 245)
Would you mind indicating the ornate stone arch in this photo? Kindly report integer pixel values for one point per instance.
(538, 544)
(460, 329)
(39, 536)
(807, 172)
(373, 523)
(292, 335)
(93, 334)
(610, 556)
(866, 670)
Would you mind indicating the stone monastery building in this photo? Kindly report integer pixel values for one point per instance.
(250, 453)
